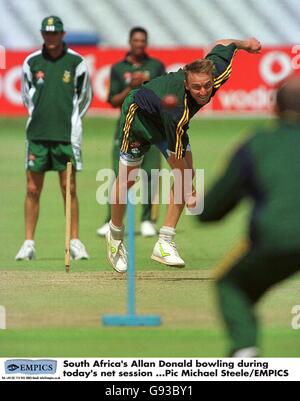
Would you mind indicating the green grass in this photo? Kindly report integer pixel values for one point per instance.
(51, 313)
(137, 342)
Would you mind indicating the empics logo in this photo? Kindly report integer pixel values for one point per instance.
(31, 367)
(12, 367)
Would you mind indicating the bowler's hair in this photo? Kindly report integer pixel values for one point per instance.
(204, 66)
(138, 29)
(288, 98)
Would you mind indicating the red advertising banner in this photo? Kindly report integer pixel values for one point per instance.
(249, 90)
(253, 80)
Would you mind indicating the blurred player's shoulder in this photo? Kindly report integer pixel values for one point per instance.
(156, 61)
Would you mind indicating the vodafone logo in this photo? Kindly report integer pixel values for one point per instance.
(275, 66)
(101, 82)
(250, 90)
(10, 85)
(259, 99)
(99, 77)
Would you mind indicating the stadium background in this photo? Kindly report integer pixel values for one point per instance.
(63, 312)
(179, 32)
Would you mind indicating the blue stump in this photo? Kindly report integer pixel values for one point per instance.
(131, 319)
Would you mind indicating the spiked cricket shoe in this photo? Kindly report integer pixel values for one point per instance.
(250, 352)
(77, 250)
(148, 229)
(103, 230)
(165, 252)
(116, 253)
(27, 251)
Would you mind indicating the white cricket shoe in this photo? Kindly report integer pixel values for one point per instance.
(103, 230)
(77, 250)
(250, 352)
(116, 253)
(165, 252)
(148, 229)
(27, 251)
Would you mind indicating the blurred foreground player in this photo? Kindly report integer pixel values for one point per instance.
(146, 121)
(265, 169)
(57, 93)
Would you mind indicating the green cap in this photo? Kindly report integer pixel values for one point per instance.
(52, 24)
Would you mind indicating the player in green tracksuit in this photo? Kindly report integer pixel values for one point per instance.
(265, 169)
(145, 121)
(126, 75)
(56, 91)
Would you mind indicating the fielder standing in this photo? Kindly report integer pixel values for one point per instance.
(57, 93)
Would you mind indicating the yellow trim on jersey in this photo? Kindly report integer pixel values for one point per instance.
(229, 260)
(129, 118)
(225, 74)
(180, 131)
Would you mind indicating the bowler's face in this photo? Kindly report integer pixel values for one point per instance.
(200, 86)
(53, 40)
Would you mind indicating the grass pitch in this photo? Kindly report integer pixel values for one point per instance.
(51, 313)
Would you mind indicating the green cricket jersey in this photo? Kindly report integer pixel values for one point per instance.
(160, 124)
(57, 93)
(267, 170)
(120, 75)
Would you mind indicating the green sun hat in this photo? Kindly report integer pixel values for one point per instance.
(52, 24)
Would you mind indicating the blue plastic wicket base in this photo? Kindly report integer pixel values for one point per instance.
(131, 320)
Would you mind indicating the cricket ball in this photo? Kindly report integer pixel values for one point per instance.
(169, 101)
